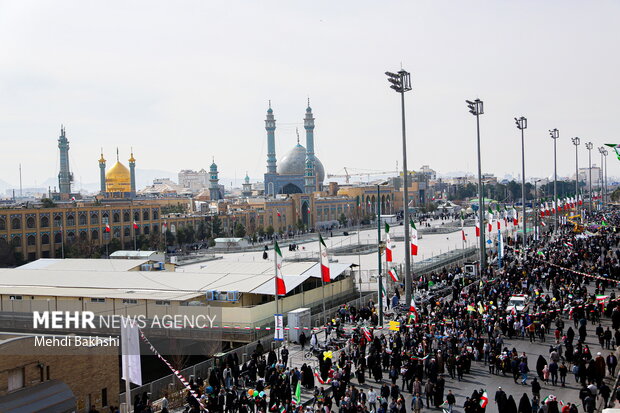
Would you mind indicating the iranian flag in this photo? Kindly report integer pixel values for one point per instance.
(324, 260)
(413, 310)
(367, 334)
(107, 228)
(484, 399)
(280, 287)
(278, 212)
(393, 275)
(515, 217)
(413, 238)
(135, 225)
(490, 221)
(462, 226)
(477, 227)
(388, 244)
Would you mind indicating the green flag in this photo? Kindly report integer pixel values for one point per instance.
(387, 227)
(298, 393)
(603, 223)
(321, 241)
(412, 223)
(277, 248)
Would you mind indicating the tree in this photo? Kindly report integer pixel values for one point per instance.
(615, 195)
(8, 257)
(270, 231)
(48, 203)
(239, 230)
(155, 241)
(201, 233)
(170, 238)
(81, 248)
(261, 232)
(342, 219)
(216, 227)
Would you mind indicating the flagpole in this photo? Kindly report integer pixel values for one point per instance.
(322, 281)
(380, 278)
(135, 245)
(62, 242)
(275, 262)
(359, 258)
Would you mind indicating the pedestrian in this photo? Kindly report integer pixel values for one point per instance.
(451, 400)
(416, 403)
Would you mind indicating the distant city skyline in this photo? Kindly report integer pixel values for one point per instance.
(192, 81)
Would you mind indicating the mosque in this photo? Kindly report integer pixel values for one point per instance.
(118, 182)
(299, 171)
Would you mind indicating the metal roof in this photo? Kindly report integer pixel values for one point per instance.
(255, 278)
(82, 264)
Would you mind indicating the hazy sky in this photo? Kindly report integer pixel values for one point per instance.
(182, 81)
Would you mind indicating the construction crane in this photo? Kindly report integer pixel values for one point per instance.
(347, 176)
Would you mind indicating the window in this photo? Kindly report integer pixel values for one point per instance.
(116, 217)
(94, 219)
(145, 215)
(45, 239)
(17, 241)
(155, 214)
(2, 224)
(126, 216)
(126, 231)
(162, 302)
(31, 240)
(83, 235)
(57, 238)
(57, 221)
(16, 297)
(30, 222)
(94, 235)
(70, 220)
(136, 216)
(82, 219)
(97, 300)
(147, 230)
(16, 223)
(16, 379)
(45, 222)
(129, 301)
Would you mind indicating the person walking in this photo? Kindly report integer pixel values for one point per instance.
(416, 403)
(451, 401)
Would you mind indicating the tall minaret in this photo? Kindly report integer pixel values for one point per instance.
(102, 173)
(64, 176)
(247, 186)
(309, 127)
(214, 186)
(132, 173)
(270, 126)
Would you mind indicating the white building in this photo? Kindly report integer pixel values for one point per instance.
(584, 176)
(193, 180)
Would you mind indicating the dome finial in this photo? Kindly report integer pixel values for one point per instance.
(117, 159)
(297, 132)
(131, 158)
(269, 103)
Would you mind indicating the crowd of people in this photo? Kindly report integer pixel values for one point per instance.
(569, 278)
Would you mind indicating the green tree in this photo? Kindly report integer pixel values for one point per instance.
(80, 248)
(155, 241)
(201, 232)
(8, 257)
(270, 230)
(342, 219)
(216, 227)
(48, 203)
(239, 230)
(300, 225)
(170, 238)
(261, 232)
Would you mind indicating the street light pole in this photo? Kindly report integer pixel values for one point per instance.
(535, 211)
(576, 142)
(589, 147)
(605, 153)
(401, 83)
(476, 108)
(522, 125)
(555, 134)
(600, 150)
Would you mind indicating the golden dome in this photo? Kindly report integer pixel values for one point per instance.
(118, 179)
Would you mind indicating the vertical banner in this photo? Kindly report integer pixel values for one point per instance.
(130, 344)
(279, 330)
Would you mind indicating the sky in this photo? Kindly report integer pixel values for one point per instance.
(185, 82)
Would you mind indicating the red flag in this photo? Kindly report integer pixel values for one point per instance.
(324, 261)
(280, 287)
(414, 238)
(463, 234)
(107, 228)
(135, 225)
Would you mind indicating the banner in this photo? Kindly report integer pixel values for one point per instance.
(130, 345)
(279, 330)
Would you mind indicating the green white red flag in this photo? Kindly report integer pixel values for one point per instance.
(280, 287)
(413, 238)
(324, 260)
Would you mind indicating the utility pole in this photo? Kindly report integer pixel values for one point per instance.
(522, 125)
(576, 142)
(589, 147)
(555, 134)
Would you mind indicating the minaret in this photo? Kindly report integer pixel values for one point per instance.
(214, 187)
(270, 126)
(102, 173)
(246, 190)
(309, 127)
(132, 173)
(64, 176)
